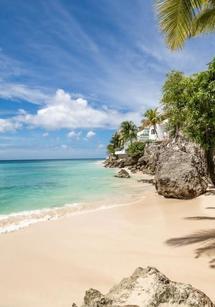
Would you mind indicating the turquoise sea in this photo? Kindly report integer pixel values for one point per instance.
(32, 191)
(38, 184)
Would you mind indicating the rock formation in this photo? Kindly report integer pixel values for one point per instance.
(179, 167)
(122, 174)
(181, 171)
(148, 288)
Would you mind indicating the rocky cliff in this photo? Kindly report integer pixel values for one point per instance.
(179, 167)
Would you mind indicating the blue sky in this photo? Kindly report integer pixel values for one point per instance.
(71, 71)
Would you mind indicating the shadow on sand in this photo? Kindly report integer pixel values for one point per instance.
(210, 192)
(206, 237)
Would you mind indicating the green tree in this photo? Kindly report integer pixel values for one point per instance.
(136, 149)
(182, 19)
(116, 140)
(110, 149)
(151, 118)
(128, 131)
(200, 113)
(115, 143)
(174, 101)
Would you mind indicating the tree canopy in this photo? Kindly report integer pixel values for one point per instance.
(128, 131)
(152, 117)
(174, 100)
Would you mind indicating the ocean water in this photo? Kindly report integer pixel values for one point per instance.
(41, 190)
(33, 185)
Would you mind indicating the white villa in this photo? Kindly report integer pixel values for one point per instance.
(148, 134)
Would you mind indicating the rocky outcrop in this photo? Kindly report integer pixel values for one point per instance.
(179, 167)
(122, 174)
(145, 163)
(148, 161)
(123, 162)
(181, 171)
(148, 288)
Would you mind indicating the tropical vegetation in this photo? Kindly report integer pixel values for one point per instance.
(115, 143)
(135, 149)
(152, 118)
(188, 103)
(173, 101)
(182, 19)
(128, 131)
(200, 113)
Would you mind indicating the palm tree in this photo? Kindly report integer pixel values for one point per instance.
(114, 144)
(128, 131)
(182, 19)
(151, 118)
(116, 140)
(110, 149)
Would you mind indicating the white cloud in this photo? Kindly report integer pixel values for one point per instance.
(100, 146)
(45, 134)
(74, 135)
(9, 125)
(22, 92)
(63, 111)
(90, 134)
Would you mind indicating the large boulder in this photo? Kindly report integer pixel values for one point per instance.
(148, 288)
(122, 174)
(181, 171)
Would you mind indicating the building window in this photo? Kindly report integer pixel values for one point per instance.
(145, 132)
(153, 131)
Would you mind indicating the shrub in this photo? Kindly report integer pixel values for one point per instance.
(136, 149)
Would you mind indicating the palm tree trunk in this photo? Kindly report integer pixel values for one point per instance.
(177, 129)
(155, 128)
(209, 154)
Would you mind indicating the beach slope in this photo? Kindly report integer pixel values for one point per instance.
(52, 263)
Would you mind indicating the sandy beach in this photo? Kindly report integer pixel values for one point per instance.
(52, 263)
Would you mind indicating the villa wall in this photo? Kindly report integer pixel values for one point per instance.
(149, 133)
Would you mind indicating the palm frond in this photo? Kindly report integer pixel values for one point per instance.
(205, 21)
(176, 18)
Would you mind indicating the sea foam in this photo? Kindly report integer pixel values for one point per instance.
(16, 221)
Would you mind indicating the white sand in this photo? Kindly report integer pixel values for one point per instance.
(54, 262)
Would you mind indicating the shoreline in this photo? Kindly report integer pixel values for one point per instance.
(16, 221)
(58, 261)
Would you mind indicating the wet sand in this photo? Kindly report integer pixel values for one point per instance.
(52, 263)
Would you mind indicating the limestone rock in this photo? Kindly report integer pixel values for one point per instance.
(148, 161)
(181, 172)
(122, 174)
(148, 288)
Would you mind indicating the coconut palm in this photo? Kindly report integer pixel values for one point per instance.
(115, 143)
(110, 149)
(116, 140)
(128, 131)
(182, 19)
(151, 118)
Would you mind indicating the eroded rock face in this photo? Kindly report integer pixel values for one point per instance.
(122, 162)
(148, 162)
(122, 174)
(148, 288)
(181, 171)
